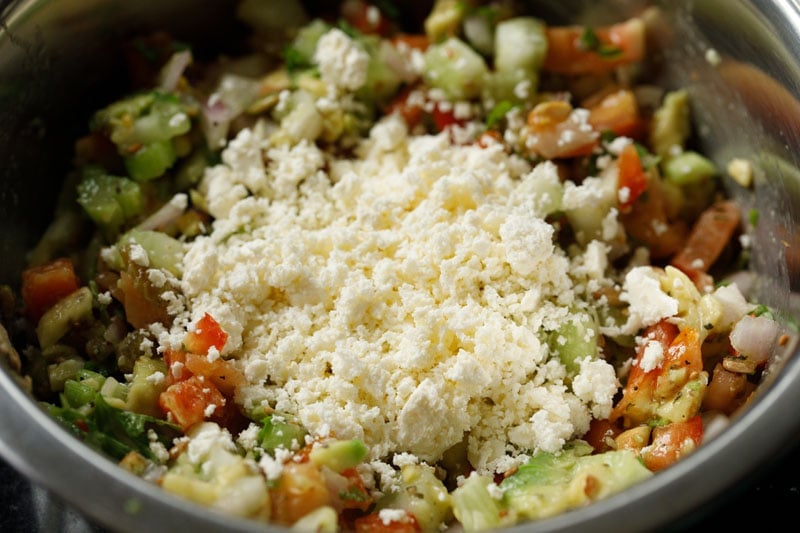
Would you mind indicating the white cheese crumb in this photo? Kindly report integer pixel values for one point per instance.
(341, 61)
(388, 297)
(652, 356)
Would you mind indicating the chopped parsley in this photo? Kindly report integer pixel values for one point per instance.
(590, 42)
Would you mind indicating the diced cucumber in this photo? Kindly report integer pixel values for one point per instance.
(456, 68)
(144, 390)
(163, 251)
(575, 340)
(303, 122)
(338, 455)
(109, 200)
(150, 161)
(63, 316)
(516, 86)
(520, 43)
(382, 80)
(301, 52)
(277, 432)
(474, 507)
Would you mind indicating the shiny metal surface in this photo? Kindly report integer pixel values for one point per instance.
(56, 60)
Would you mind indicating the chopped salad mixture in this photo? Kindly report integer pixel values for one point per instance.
(371, 277)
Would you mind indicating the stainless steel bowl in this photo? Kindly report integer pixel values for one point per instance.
(58, 59)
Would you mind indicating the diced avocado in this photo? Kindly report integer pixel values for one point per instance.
(456, 68)
(689, 168)
(145, 387)
(670, 126)
(338, 455)
(421, 494)
(549, 484)
(63, 316)
(279, 432)
(520, 43)
(474, 506)
(163, 251)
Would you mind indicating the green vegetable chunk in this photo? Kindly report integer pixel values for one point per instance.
(110, 201)
(456, 68)
(338, 455)
(549, 484)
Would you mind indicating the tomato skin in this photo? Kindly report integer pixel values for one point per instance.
(565, 54)
(362, 500)
(444, 118)
(188, 400)
(617, 112)
(373, 523)
(631, 176)
(671, 442)
(44, 285)
(207, 334)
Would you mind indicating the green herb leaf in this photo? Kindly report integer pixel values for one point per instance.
(497, 113)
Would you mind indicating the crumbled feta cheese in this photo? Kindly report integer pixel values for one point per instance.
(341, 61)
(652, 356)
(396, 297)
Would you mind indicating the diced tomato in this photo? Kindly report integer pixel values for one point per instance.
(645, 391)
(445, 117)
(415, 41)
(600, 433)
(617, 111)
(191, 401)
(632, 179)
(300, 490)
(412, 112)
(207, 334)
(356, 496)
(709, 236)
(671, 442)
(143, 305)
(44, 285)
(222, 373)
(619, 44)
(366, 17)
(176, 366)
(637, 396)
(373, 523)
